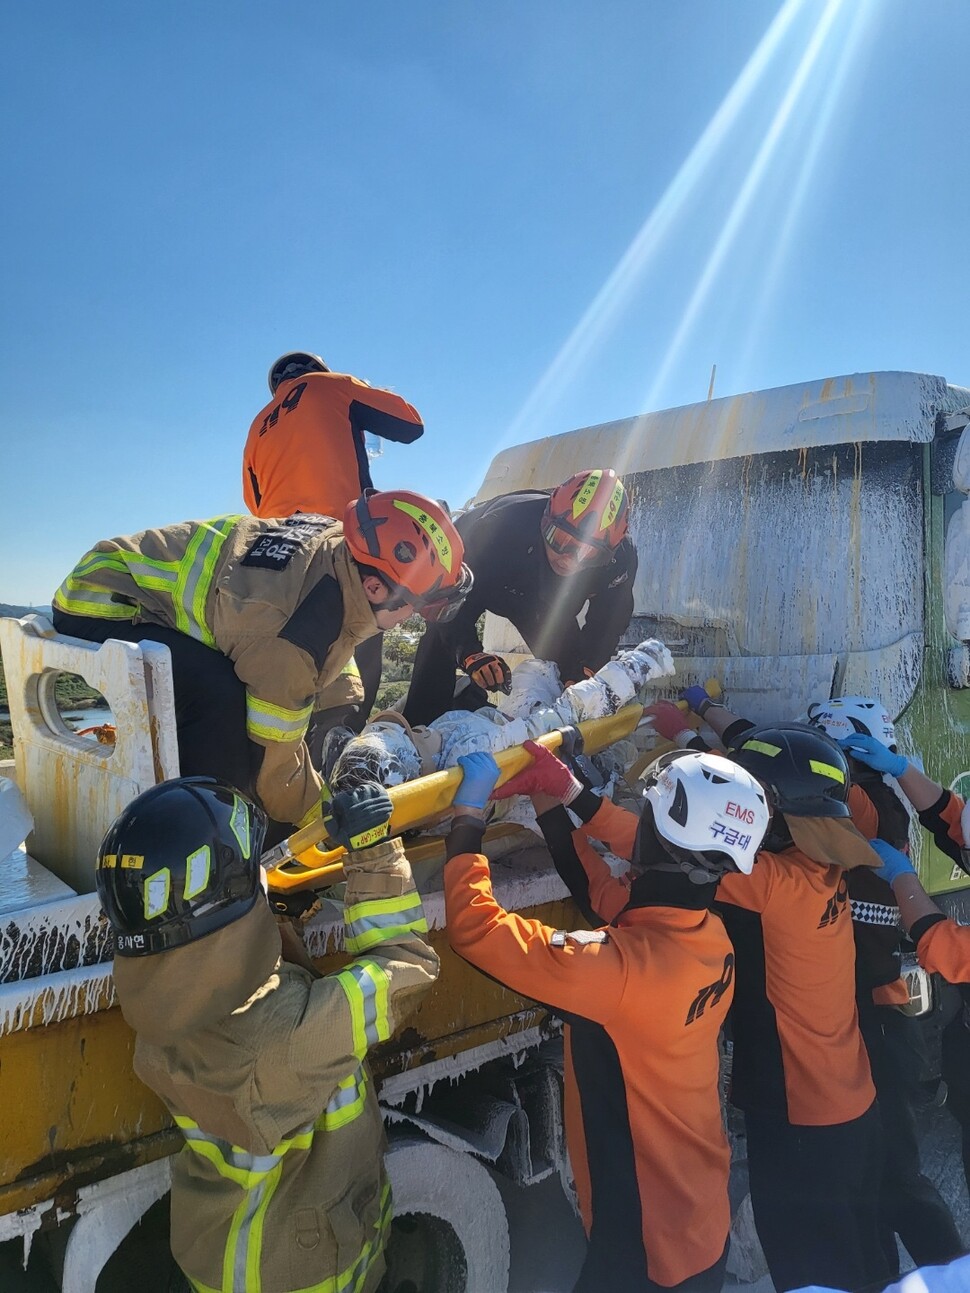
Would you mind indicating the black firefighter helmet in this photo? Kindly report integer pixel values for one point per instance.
(180, 862)
(804, 771)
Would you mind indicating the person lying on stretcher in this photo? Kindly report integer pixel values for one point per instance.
(390, 751)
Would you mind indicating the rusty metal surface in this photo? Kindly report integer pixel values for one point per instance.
(82, 1115)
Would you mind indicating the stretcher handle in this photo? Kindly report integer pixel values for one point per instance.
(421, 801)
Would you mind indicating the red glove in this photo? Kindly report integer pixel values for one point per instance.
(667, 720)
(488, 671)
(546, 775)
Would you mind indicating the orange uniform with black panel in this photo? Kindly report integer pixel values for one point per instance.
(798, 1049)
(305, 451)
(644, 1001)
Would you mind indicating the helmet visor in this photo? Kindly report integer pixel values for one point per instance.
(566, 543)
(439, 606)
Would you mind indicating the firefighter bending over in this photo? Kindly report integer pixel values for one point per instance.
(260, 618)
(538, 557)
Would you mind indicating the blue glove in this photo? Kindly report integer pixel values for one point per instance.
(695, 697)
(361, 817)
(894, 862)
(874, 754)
(480, 773)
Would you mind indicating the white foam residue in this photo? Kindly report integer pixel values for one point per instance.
(52, 997)
(452, 1068)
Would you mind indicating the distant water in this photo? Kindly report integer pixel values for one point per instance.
(81, 718)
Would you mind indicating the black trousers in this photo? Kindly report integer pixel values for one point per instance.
(433, 679)
(604, 1272)
(814, 1192)
(909, 1203)
(210, 701)
(369, 656)
(956, 1074)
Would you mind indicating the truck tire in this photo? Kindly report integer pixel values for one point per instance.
(450, 1233)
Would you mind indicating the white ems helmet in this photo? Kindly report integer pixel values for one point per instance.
(709, 810)
(294, 364)
(847, 715)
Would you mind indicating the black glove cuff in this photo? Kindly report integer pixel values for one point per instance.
(734, 732)
(465, 836)
(919, 927)
(586, 805)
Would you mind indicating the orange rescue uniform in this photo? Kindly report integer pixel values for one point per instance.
(305, 451)
(644, 1002)
(798, 1049)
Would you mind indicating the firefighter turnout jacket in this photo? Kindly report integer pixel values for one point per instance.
(282, 599)
(280, 1185)
(643, 1001)
(305, 451)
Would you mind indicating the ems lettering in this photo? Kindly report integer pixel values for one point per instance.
(742, 814)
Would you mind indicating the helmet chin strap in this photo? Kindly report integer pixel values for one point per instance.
(699, 874)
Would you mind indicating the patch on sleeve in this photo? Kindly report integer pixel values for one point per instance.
(581, 936)
(274, 549)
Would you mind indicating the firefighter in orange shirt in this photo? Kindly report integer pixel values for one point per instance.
(910, 1204)
(305, 452)
(643, 999)
(942, 946)
(800, 1072)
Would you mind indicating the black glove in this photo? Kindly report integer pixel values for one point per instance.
(361, 817)
(488, 671)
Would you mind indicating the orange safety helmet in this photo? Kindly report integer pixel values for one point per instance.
(412, 544)
(587, 516)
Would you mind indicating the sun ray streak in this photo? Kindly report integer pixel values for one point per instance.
(861, 16)
(746, 194)
(629, 270)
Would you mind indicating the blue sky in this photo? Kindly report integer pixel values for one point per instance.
(524, 216)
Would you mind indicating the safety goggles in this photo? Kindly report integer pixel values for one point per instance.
(436, 607)
(567, 543)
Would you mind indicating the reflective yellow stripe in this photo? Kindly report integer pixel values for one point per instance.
(354, 1277)
(100, 606)
(762, 747)
(827, 770)
(243, 1253)
(585, 495)
(365, 984)
(80, 595)
(237, 1164)
(612, 509)
(347, 1103)
(275, 722)
(196, 570)
(432, 529)
(351, 669)
(377, 921)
